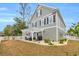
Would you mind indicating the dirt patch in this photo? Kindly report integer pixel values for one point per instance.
(20, 48)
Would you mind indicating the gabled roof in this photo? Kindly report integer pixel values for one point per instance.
(53, 8)
(37, 8)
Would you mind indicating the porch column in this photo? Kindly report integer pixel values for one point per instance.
(42, 34)
(32, 36)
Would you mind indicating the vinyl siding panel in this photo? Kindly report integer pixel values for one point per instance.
(50, 34)
(60, 22)
(45, 11)
(60, 34)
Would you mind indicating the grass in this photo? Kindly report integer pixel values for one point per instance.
(20, 48)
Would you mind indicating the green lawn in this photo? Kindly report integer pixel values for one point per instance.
(15, 47)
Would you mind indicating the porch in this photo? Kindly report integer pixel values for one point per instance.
(33, 34)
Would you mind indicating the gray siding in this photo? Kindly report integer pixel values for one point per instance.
(45, 11)
(50, 34)
(48, 25)
(60, 34)
(60, 21)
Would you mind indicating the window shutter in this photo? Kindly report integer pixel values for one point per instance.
(54, 18)
(44, 21)
(47, 20)
(36, 14)
(40, 11)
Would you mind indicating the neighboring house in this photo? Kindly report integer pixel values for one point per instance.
(45, 23)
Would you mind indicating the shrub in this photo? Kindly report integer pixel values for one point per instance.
(52, 40)
(63, 40)
(50, 43)
(46, 40)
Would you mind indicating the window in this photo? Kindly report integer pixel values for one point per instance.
(44, 21)
(40, 23)
(47, 20)
(50, 19)
(32, 25)
(36, 14)
(40, 12)
(54, 18)
(35, 24)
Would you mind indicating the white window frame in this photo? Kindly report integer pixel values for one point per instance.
(51, 19)
(38, 13)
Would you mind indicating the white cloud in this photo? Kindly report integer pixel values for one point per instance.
(6, 15)
(3, 9)
(4, 12)
(3, 20)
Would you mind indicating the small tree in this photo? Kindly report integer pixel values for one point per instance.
(8, 30)
(19, 23)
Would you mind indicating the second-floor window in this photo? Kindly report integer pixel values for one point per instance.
(46, 20)
(32, 24)
(50, 19)
(35, 24)
(38, 13)
(40, 23)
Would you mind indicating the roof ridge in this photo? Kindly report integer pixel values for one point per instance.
(47, 6)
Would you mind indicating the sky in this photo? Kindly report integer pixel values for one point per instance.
(69, 12)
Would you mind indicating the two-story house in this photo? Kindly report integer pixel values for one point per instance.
(45, 23)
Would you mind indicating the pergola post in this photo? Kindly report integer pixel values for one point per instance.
(42, 34)
(32, 36)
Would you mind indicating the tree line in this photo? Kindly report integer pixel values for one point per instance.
(74, 30)
(20, 21)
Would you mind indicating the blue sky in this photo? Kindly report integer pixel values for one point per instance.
(69, 12)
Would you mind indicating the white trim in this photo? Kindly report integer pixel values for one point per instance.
(49, 27)
(53, 27)
(61, 29)
(32, 36)
(42, 22)
(56, 28)
(41, 29)
(40, 17)
(43, 5)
